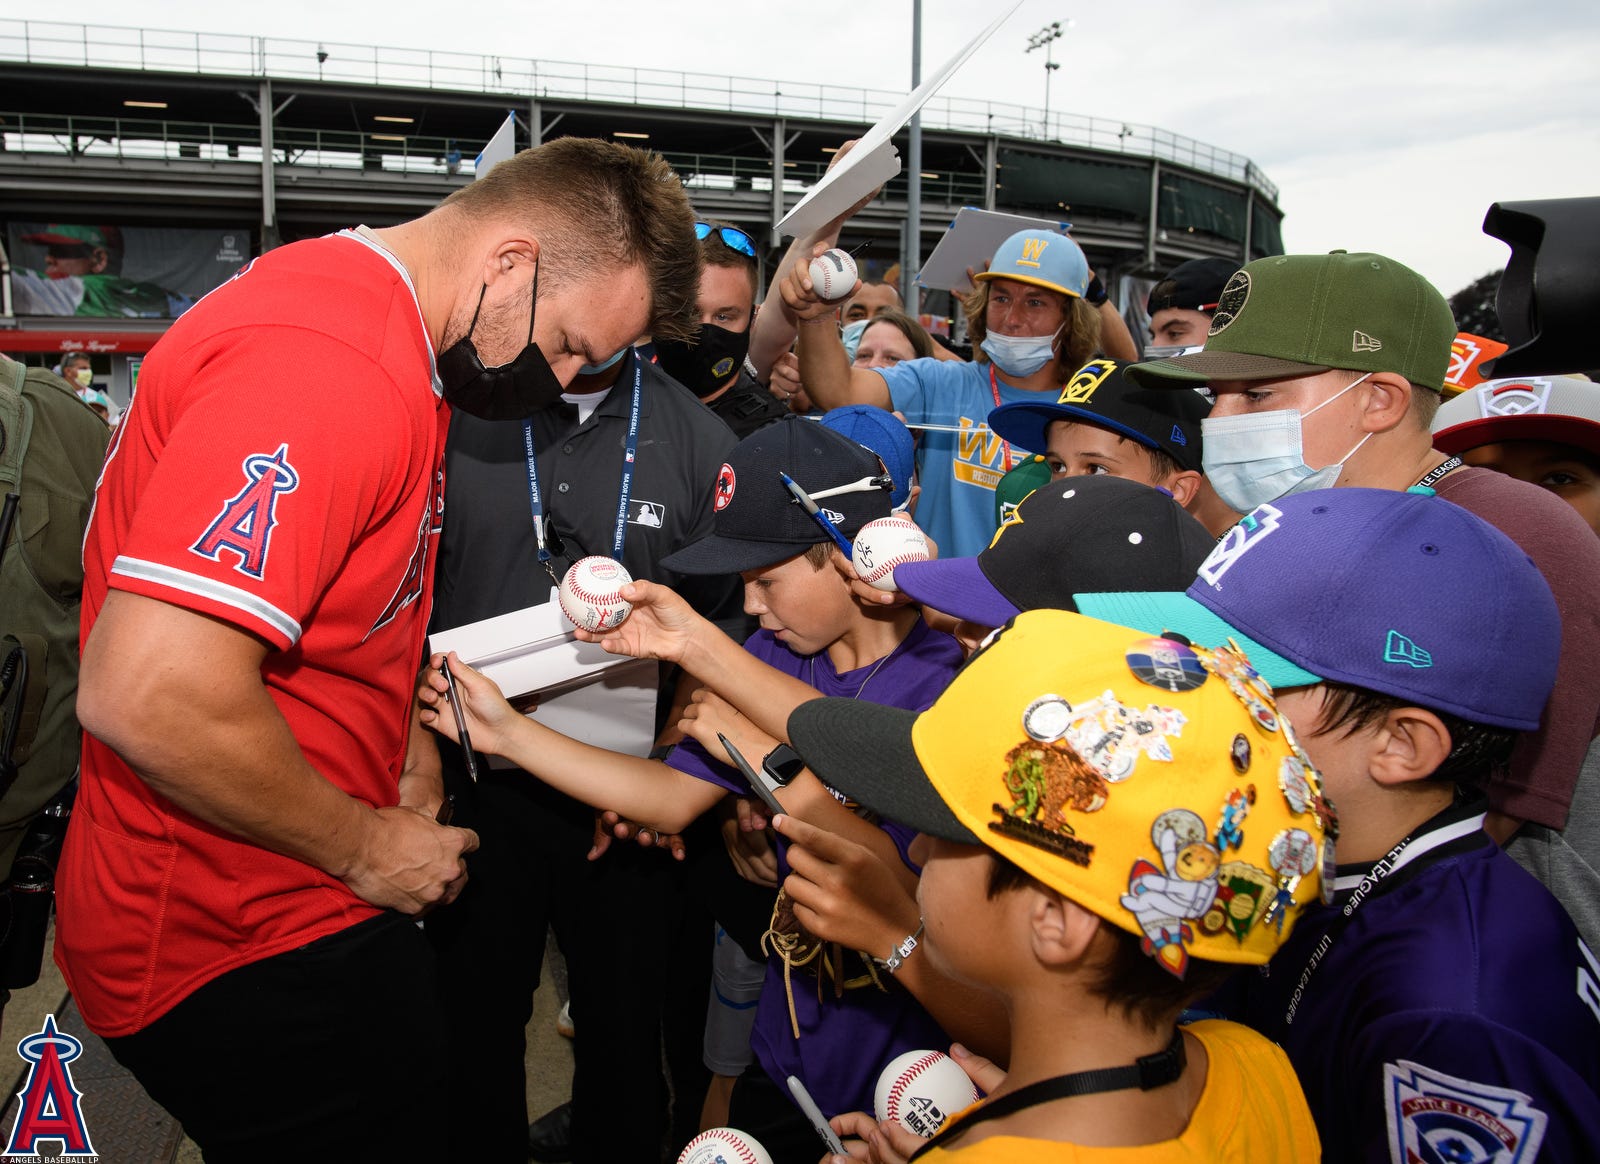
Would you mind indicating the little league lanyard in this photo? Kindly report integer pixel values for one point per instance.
(1433, 477)
(625, 490)
(994, 390)
(1397, 858)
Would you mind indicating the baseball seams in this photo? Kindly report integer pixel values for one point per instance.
(886, 568)
(907, 1078)
(719, 1138)
(585, 604)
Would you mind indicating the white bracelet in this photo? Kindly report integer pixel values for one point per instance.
(903, 951)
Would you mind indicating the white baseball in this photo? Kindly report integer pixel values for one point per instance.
(588, 593)
(885, 543)
(923, 1089)
(724, 1146)
(833, 274)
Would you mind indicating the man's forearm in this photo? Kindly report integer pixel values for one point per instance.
(826, 372)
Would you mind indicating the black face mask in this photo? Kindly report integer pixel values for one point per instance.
(706, 366)
(512, 391)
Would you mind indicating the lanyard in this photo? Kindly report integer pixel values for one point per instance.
(1395, 859)
(1146, 1073)
(1438, 473)
(994, 390)
(625, 490)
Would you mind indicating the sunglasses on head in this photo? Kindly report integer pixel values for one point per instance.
(731, 237)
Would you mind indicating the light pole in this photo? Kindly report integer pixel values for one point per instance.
(1045, 38)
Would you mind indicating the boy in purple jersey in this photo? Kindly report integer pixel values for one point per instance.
(1444, 1009)
(837, 1032)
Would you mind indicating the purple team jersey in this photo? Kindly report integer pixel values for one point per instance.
(1452, 1018)
(844, 1042)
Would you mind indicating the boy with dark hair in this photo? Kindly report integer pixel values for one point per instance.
(1103, 423)
(814, 637)
(1107, 838)
(1445, 1008)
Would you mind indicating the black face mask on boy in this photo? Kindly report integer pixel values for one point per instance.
(511, 391)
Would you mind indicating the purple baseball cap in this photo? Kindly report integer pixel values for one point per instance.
(1346, 585)
(1071, 535)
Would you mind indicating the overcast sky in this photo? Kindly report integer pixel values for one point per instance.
(1388, 125)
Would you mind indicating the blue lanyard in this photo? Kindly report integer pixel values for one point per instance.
(624, 492)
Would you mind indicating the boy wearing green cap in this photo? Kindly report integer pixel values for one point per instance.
(1327, 371)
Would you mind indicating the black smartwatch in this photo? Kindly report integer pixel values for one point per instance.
(783, 764)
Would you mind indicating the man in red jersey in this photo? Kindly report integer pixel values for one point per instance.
(255, 830)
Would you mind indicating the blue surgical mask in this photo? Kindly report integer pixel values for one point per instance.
(1020, 356)
(1253, 459)
(596, 369)
(851, 336)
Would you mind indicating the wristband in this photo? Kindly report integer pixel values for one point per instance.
(903, 951)
(1095, 293)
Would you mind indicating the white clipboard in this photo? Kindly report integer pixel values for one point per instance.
(584, 691)
(971, 241)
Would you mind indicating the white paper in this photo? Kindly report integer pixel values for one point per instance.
(971, 241)
(873, 160)
(501, 146)
(584, 692)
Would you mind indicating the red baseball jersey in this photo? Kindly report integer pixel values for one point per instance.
(280, 468)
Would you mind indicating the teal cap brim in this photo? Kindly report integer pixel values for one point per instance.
(1156, 612)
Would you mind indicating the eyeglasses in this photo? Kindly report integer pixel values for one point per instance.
(730, 236)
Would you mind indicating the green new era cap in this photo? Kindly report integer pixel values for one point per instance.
(1297, 315)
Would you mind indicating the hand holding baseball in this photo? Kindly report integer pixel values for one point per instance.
(661, 626)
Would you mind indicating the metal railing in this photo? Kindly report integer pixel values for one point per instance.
(155, 50)
(158, 140)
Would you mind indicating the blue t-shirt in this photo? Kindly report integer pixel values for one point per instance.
(1453, 1015)
(957, 470)
(844, 1042)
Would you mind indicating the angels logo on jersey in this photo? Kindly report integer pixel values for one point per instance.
(1436, 1118)
(410, 588)
(244, 527)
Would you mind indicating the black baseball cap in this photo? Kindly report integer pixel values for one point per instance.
(1194, 286)
(758, 523)
(1101, 395)
(1074, 535)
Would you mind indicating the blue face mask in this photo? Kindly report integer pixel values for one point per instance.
(596, 369)
(1253, 459)
(1020, 356)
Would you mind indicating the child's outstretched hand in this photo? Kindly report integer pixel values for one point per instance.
(482, 705)
(661, 625)
(885, 1143)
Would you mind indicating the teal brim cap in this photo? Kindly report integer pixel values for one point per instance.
(1156, 612)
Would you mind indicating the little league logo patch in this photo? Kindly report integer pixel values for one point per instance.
(1436, 1118)
(1238, 541)
(49, 1108)
(244, 527)
(1530, 396)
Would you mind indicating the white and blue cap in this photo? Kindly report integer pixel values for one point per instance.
(1345, 585)
(1045, 258)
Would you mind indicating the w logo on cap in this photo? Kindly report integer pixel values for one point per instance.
(1032, 251)
(1399, 649)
